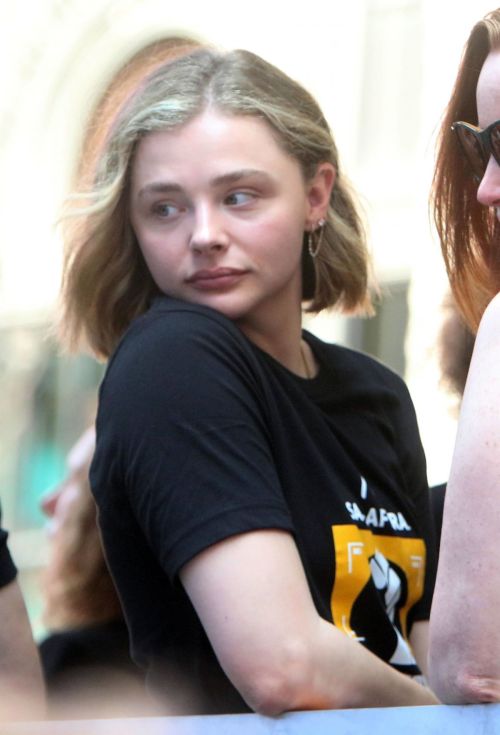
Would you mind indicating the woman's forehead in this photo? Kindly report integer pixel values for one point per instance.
(488, 90)
(215, 140)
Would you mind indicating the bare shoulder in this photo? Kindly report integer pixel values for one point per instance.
(490, 321)
(487, 344)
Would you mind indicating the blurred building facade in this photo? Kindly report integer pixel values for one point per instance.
(382, 71)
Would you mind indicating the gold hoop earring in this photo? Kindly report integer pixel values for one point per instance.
(315, 238)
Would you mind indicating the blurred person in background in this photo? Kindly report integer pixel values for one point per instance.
(121, 86)
(22, 695)
(465, 636)
(262, 495)
(85, 657)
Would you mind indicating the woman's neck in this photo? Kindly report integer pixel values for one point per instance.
(283, 341)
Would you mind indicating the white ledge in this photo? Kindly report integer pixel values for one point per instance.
(432, 720)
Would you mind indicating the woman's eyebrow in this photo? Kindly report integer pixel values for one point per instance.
(166, 187)
(235, 176)
(159, 187)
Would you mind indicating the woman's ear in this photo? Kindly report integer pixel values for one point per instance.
(319, 189)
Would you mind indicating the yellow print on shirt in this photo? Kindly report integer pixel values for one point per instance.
(361, 555)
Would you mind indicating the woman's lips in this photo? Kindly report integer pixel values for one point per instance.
(214, 279)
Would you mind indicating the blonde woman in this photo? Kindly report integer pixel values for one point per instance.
(465, 646)
(262, 494)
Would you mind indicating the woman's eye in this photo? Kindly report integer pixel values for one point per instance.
(166, 209)
(239, 197)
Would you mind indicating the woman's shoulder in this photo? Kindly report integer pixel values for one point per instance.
(482, 380)
(490, 322)
(173, 327)
(182, 344)
(172, 317)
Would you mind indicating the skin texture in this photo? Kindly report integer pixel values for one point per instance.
(21, 685)
(464, 660)
(221, 193)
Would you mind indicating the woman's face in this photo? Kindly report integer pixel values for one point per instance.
(219, 211)
(488, 109)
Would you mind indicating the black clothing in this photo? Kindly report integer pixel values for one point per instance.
(201, 435)
(8, 571)
(89, 668)
(71, 652)
(438, 493)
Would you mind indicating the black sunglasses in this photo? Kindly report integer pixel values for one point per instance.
(478, 145)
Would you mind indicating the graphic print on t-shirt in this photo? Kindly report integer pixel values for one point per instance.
(394, 566)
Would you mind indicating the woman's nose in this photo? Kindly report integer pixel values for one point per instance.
(488, 193)
(208, 230)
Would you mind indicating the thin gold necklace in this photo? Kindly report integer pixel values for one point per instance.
(304, 362)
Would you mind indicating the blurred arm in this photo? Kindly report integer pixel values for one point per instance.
(465, 636)
(252, 597)
(21, 684)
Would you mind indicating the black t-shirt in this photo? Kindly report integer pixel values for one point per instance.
(8, 570)
(201, 435)
(437, 495)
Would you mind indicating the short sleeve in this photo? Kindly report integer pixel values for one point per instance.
(182, 436)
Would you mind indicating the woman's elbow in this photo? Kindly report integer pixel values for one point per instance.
(281, 684)
(270, 695)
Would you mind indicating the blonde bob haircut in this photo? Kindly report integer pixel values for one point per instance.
(468, 231)
(106, 283)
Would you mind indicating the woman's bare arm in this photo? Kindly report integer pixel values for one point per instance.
(252, 597)
(465, 635)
